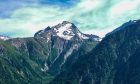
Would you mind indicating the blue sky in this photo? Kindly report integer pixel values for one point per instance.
(22, 18)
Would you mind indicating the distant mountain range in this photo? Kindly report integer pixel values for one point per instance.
(63, 55)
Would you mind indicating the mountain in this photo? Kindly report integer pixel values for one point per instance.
(40, 58)
(115, 60)
(66, 31)
(4, 37)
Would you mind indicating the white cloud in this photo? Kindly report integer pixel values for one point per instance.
(89, 4)
(124, 6)
(91, 16)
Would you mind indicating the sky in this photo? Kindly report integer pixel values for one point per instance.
(22, 18)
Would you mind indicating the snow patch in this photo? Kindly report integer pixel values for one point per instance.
(4, 38)
(69, 52)
(97, 39)
(48, 39)
(45, 67)
(65, 31)
(82, 36)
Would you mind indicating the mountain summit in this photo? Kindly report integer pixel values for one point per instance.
(63, 55)
(65, 39)
(38, 59)
(115, 60)
(66, 30)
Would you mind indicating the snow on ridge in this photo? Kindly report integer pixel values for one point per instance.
(82, 36)
(4, 37)
(65, 31)
(97, 39)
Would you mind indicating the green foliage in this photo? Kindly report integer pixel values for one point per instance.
(23, 64)
(17, 68)
(115, 60)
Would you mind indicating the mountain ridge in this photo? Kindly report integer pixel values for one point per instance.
(43, 56)
(113, 61)
(51, 58)
(66, 30)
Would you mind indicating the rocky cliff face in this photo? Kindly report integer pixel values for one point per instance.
(65, 31)
(40, 58)
(115, 60)
(53, 47)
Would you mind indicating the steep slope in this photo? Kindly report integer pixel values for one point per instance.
(53, 47)
(40, 58)
(63, 40)
(115, 60)
(17, 68)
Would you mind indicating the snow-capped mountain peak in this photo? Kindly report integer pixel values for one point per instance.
(65, 30)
